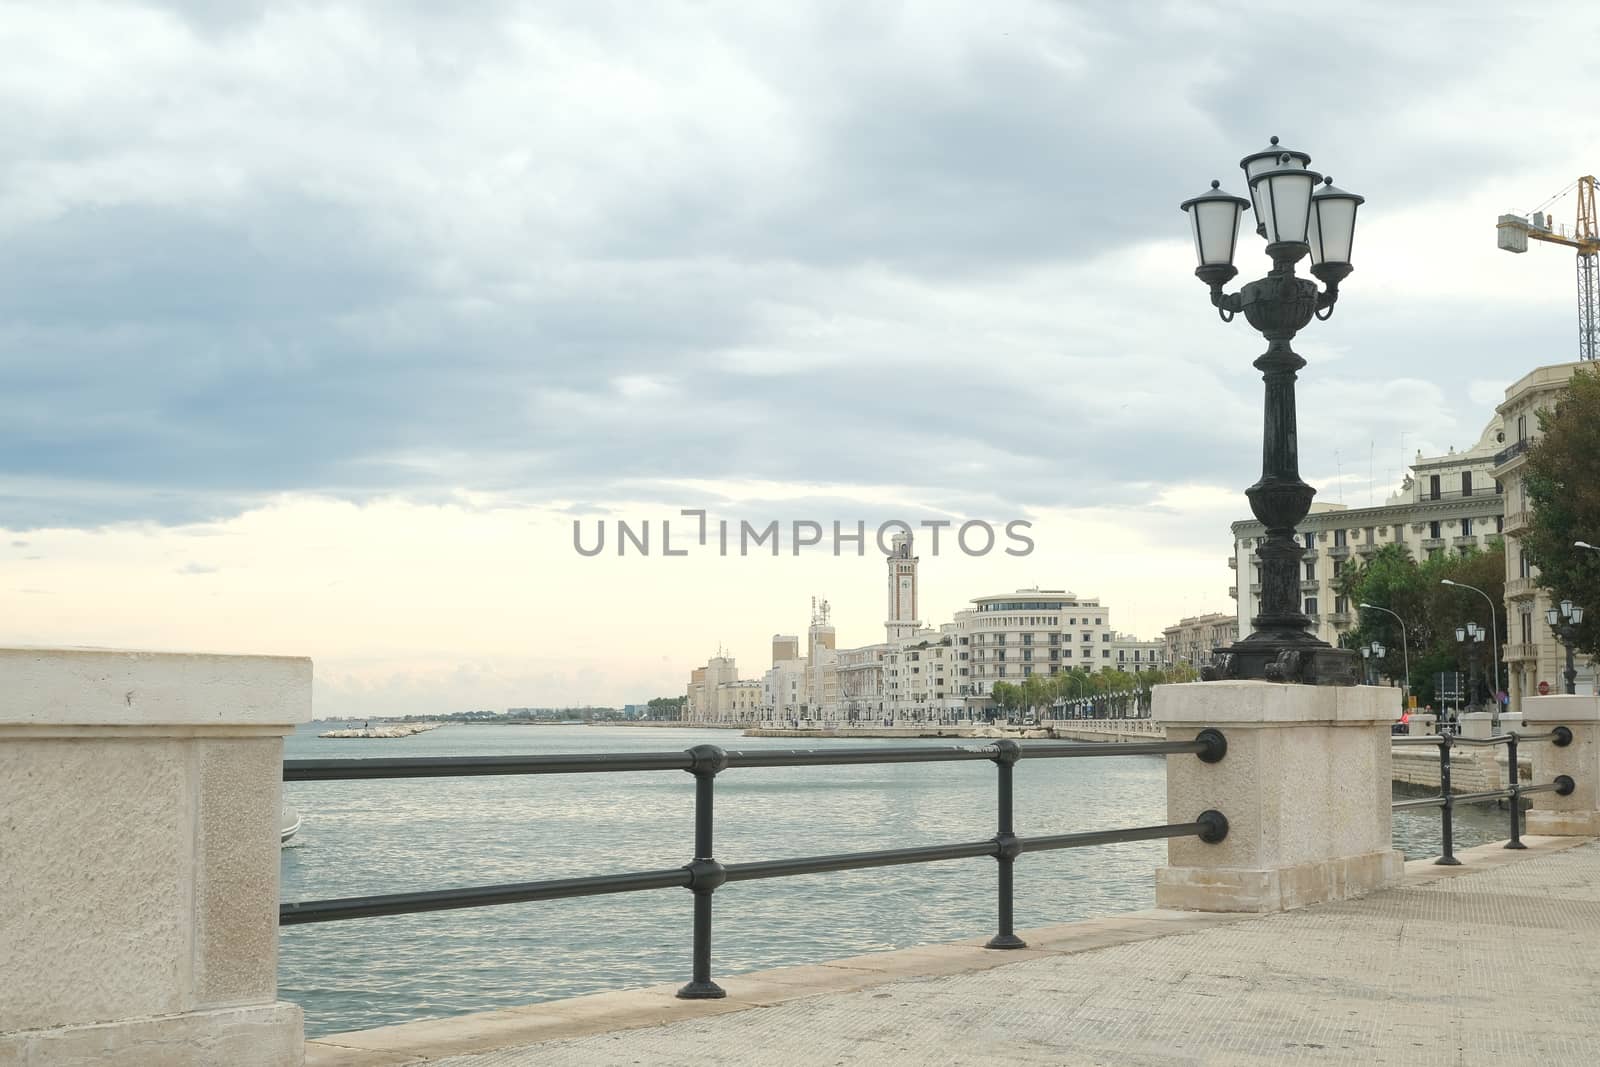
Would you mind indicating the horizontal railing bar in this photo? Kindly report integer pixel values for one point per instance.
(1488, 794)
(1419, 802)
(1418, 739)
(1548, 787)
(1110, 837)
(320, 911)
(1068, 749)
(323, 770)
(848, 861)
(845, 757)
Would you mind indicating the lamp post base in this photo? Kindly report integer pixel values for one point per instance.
(1282, 657)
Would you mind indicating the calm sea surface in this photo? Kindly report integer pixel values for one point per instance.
(394, 836)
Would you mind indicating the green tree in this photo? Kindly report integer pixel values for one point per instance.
(1430, 610)
(1562, 483)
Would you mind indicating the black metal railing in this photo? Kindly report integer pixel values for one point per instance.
(702, 875)
(1447, 800)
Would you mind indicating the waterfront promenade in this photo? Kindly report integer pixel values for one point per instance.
(1490, 962)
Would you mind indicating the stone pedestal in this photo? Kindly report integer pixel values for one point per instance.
(139, 830)
(1305, 786)
(1579, 812)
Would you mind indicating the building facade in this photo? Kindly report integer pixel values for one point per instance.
(1532, 653)
(1193, 639)
(1449, 503)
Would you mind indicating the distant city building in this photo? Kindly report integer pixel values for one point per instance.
(1532, 653)
(1192, 640)
(1447, 503)
(923, 674)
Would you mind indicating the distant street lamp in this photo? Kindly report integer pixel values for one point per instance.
(1494, 648)
(1405, 649)
(1372, 654)
(1467, 636)
(1585, 544)
(1564, 622)
(1297, 218)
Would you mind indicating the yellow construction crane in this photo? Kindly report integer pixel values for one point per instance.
(1514, 231)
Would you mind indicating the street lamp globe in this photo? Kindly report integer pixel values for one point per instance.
(1461, 633)
(1566, 608)
(1332, 231)
(1272, 157)
(1283, 197)
(1577, 614)
(1214, 219)
(1552, 616)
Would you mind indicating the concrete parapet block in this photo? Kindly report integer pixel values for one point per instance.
(140, 795)
(1578, 813)
(1305, 786)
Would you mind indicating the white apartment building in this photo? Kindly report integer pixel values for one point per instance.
(1192, 640)
(1532, 653)
(1447, 503)
(717, 694)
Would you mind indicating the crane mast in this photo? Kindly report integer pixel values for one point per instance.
(1514, 231)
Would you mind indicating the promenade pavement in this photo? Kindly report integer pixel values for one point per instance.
(1496, 962)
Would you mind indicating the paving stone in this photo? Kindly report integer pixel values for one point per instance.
(1496, 967)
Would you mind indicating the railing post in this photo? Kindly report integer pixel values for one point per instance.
(705, 873)
(1306, 786)
(1447, 856)
(1516, 793)
(1006, 755)
(1576, 755)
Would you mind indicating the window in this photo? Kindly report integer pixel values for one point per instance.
(1309, 540)
(1433, 487)
(1466, 483)
(1338, 567)
(1311, 605)
(1097, 622)
(1341, 605)
(1088, 637)
(1311, 570)
(1499, 523)
(1466, 527)
(1433, 529)
(1105, 653)
(1498, 488)
(1027, 654)
(1522, 427)
(1523, 568)
(1027, 639)
(1105, 637)
(1527, 628)
(1372, 535)
(1339, 538)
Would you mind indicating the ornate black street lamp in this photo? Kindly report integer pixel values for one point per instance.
(1467, 636)
(1373, 654)
(1564, 624)
(1297, 218)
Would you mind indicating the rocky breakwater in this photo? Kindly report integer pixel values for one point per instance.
(403, 729)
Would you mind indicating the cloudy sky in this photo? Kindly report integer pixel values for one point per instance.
(321, 323)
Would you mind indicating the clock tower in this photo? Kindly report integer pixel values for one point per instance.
(902, 621)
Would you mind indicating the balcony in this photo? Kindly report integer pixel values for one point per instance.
(1233, 591)
(1255, 588)
(1340, 619)
(1511, 452)
(1339, 551)
(1521, 653)
(1517, 521)
(1464, 541)
(1366, 551)
(1310, 586)
(1233, 563)
(1518, 588)
(1309, 553)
